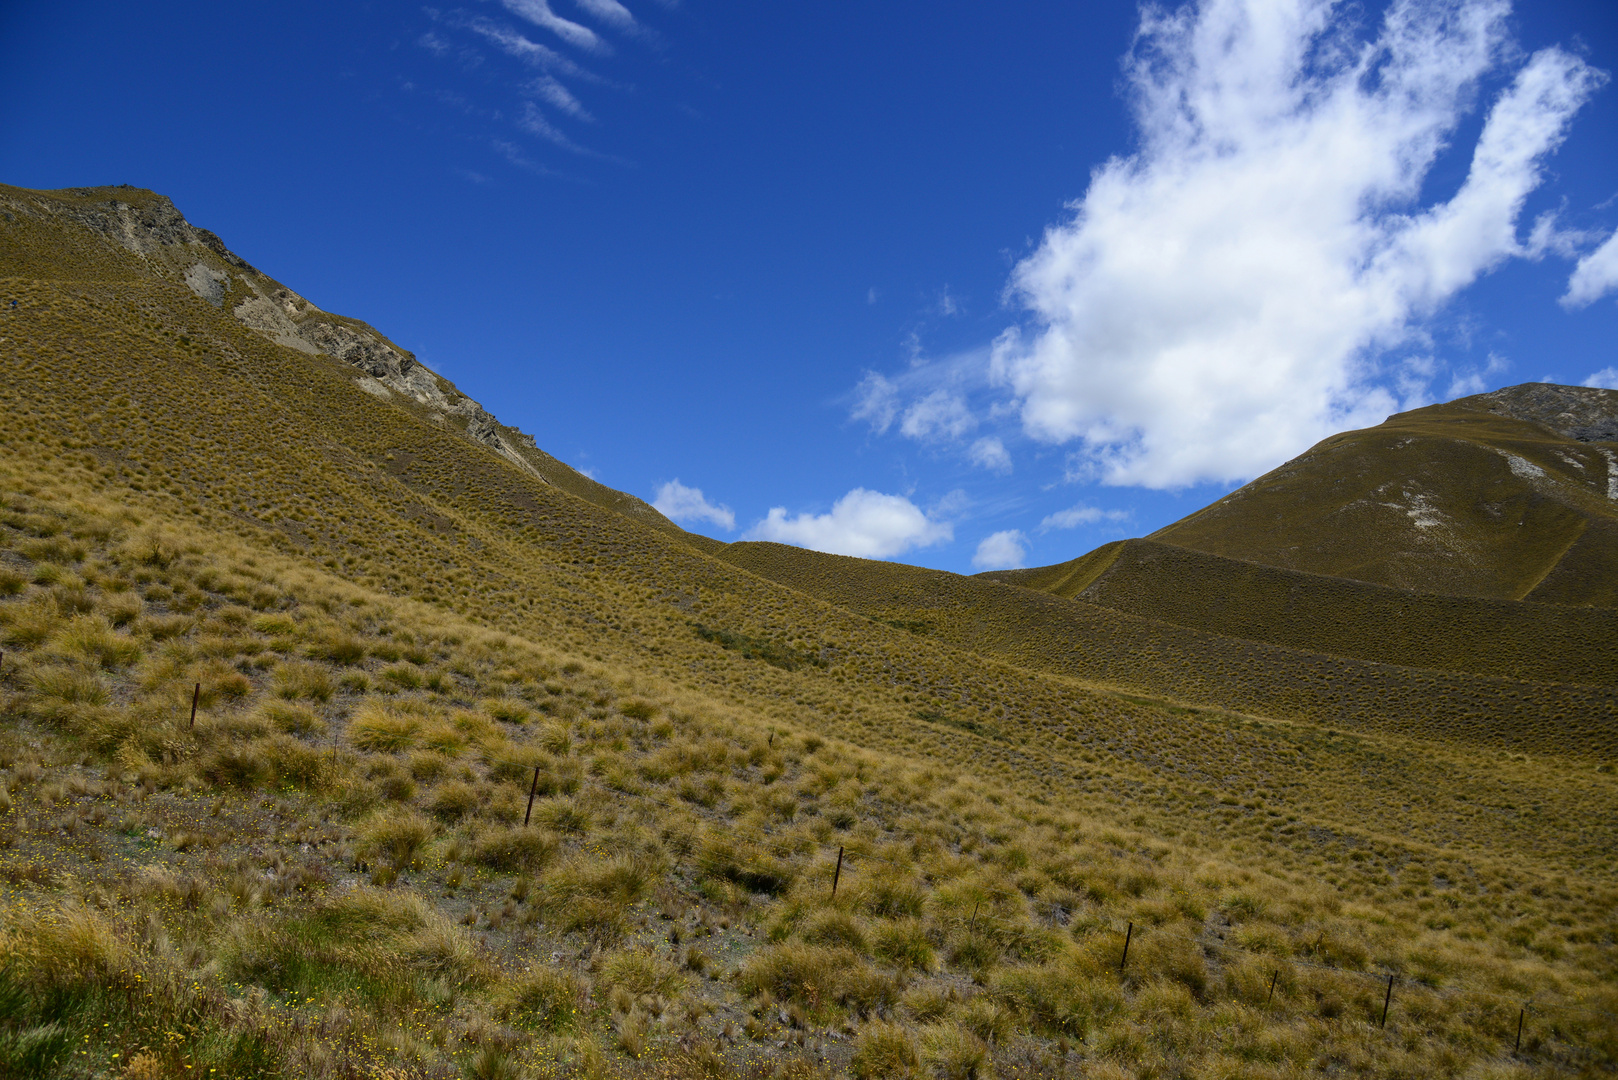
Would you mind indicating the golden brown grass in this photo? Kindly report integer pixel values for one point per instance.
(330, 874)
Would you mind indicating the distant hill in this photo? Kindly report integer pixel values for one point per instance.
(1511, 495)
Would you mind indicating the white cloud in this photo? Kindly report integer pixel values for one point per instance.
(533, 121)
(990, 453)
(1219, 299)
(540, 14)
(677, 502)
(1595, 276)
(609, 11)
(1074, 516)
(1001, 551)
(1606, 379)
(559, 96)
(876, 399)
(942, 414)
(866, 524)
(515, 44)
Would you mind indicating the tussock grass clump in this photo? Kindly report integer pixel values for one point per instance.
(544, 999)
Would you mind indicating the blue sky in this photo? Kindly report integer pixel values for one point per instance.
(967, 285)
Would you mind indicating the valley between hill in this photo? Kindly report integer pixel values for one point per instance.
(495, 772)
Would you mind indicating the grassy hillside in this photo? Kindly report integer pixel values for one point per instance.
(1143, 656)
(1340, 616)
(1469, 498)
(490, 779)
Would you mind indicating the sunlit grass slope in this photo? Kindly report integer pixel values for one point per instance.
(1340, 616)
(1472, 498)
(1153, 657)
(397, 640)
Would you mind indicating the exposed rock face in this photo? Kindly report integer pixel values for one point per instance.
(150, 225)
(1585, 413)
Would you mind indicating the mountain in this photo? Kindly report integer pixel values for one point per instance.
(346, 733)
(1511, 495)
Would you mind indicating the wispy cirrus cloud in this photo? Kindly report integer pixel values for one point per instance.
(535, 123)
(559, 97)
(517, 45)
(1082, 514)
(610, 12)
(540, 14)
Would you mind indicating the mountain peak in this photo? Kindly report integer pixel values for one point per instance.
(1582, 413)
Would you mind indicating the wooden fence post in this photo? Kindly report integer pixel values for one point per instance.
(1274, 976)
(1128, 935)
(196, 696)
(532, 790)
(837, 874)
(1386, 1001)
(1520, 1014)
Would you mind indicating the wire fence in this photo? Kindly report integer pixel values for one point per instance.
(853, 851)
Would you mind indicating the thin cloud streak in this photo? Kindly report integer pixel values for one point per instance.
(540, 14)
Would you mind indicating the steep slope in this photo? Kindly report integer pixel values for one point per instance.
(1511, 495)
(491, 777)
(149, 226)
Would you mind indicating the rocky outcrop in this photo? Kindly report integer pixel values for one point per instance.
(150, 225)
(1584, 413)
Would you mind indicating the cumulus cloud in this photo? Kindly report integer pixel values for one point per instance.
(1074, 516)
(1606, 379)
(866, 524)
(1595, 276)
(1001, 551)
(677, 502)
(990, 453)
(1220, 298)
(540, 14)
